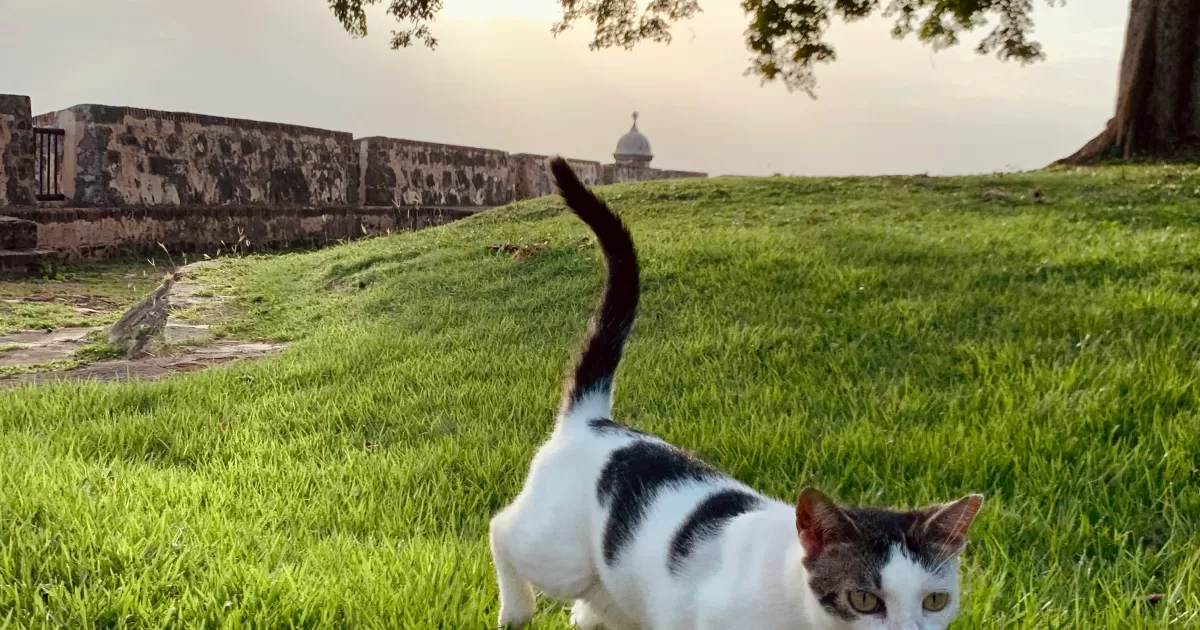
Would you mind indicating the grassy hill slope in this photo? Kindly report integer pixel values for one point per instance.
(893, 341)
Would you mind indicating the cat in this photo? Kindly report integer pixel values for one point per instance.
(641, 535)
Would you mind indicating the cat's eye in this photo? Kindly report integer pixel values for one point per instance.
(935, 602)
(865, 602)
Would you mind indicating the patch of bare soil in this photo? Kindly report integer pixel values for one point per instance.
(167, 333)
(520, 253)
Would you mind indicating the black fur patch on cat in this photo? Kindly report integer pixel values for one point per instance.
(707, 520)
(606, 426)
(858, 564)
(632, 478)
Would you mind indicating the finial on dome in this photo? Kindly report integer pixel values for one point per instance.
(635, 120)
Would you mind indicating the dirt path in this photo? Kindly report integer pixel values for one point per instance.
(188, 345)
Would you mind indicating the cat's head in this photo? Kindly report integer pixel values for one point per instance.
(879, 569)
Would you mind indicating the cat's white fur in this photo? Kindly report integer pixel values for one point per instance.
(750, 576)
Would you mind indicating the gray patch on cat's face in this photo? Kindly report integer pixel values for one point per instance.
(857, 564)
(839, 569)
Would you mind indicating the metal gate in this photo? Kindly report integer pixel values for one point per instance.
(49, 163)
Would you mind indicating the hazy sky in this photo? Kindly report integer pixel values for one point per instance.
(500, 80)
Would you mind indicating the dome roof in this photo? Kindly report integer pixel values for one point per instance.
(633, 144)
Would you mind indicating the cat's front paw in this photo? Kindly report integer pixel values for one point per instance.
(584, 618)
(515, 617)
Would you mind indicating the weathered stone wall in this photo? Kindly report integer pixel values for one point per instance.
(17, 183)
(408, 172)
(17, 234)
(122, 156)
(129, 156)
(531, 174)
(105, 232)
(618, 173)
(667, 174)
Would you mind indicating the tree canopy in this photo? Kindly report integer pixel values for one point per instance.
(786, 38)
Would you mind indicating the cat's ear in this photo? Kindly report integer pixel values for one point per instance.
(947, 525)
(820, 522)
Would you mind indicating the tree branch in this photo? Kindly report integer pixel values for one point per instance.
(786, 37)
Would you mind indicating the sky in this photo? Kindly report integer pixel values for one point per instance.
(499, 79)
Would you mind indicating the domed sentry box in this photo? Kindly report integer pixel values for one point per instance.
(633, 147)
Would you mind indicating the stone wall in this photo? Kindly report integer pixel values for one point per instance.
(408, 172)
(531, 174)
(137, 180)
(17, 183)
(95, 233)
(124, 156)
(128, 156)
(17, 234)
(668, 174)
(618, 173)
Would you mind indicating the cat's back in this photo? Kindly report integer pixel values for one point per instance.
(660, 514)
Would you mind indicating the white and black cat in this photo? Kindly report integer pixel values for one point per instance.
(640, 535)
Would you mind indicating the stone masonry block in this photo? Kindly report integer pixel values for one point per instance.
(17, 234)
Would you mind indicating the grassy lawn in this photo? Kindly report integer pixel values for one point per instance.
(892, 341)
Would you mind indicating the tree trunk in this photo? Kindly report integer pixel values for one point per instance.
(1158, 90)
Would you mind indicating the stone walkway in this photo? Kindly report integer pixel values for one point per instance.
(189, 345)
(43, 346)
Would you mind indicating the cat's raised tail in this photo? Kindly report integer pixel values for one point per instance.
(587, 393)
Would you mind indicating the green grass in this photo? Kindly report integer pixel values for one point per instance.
(98, 348)
(906, 343)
